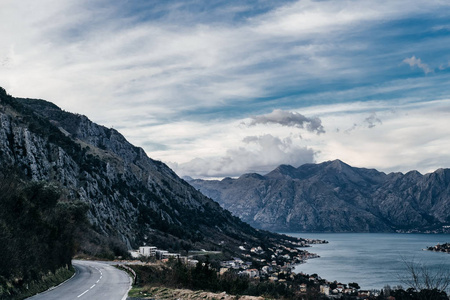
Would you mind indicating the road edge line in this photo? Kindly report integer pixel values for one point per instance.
(54, 287)
(130, 282)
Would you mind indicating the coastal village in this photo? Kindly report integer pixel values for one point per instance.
(440, 248)
(282, 258)
(272, 265)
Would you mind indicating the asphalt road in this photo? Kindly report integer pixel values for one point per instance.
(92, 280)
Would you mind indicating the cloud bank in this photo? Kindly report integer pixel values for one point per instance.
(258, 154)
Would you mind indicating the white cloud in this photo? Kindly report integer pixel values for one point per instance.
(87, 61)
(289, 119)
(258, 154)
(417, 62)
(412, 136)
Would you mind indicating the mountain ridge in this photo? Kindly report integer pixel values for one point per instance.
(131, 197)
(333, 196)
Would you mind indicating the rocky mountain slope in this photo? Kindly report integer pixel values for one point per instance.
(130, 196)
(335, 197)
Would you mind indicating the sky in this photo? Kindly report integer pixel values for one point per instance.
(222, 88)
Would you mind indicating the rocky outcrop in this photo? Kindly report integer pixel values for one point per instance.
(335, 197)
(130, 195)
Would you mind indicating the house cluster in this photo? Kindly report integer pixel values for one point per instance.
(271, 264)
(274, 264)
(443, 229)
(336, 290)
(440, 248)
(307, 242)
(158, 254)
(287, 257)
(245, 268)
(282, 273)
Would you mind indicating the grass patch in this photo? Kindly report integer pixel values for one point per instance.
(137, 292)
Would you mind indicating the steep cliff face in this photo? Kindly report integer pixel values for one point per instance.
(335, 197)
(131, 196)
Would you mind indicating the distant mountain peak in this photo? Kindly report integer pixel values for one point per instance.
(251, 175)
(333, 196)
(413, 173)
(187, 178)
(338, 164)
(282, 171)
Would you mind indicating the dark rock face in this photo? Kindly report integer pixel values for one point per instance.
(335, 197)
(131, 196)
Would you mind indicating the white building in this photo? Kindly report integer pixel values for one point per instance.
(251, 273)
(161, 253)
(325, 289)
(134, 253)
(147, 251)
(173, 255)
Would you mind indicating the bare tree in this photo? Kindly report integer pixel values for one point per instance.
(421, 277)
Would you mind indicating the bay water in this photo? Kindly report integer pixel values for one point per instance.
(373, 260)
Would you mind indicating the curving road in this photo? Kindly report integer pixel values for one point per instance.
(92, 280)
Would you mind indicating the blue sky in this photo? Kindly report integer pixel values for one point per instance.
(221, 88)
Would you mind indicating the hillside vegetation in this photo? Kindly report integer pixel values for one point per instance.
(37, 230)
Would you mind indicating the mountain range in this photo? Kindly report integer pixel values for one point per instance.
(335, 197)
(131, 198)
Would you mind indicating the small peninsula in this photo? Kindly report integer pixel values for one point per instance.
(440, 248)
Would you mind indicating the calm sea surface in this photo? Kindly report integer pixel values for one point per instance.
(371, 259)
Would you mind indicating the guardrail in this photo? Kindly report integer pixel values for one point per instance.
(130, 271)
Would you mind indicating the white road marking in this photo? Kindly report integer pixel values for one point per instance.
(82, 293)
(92, 285)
